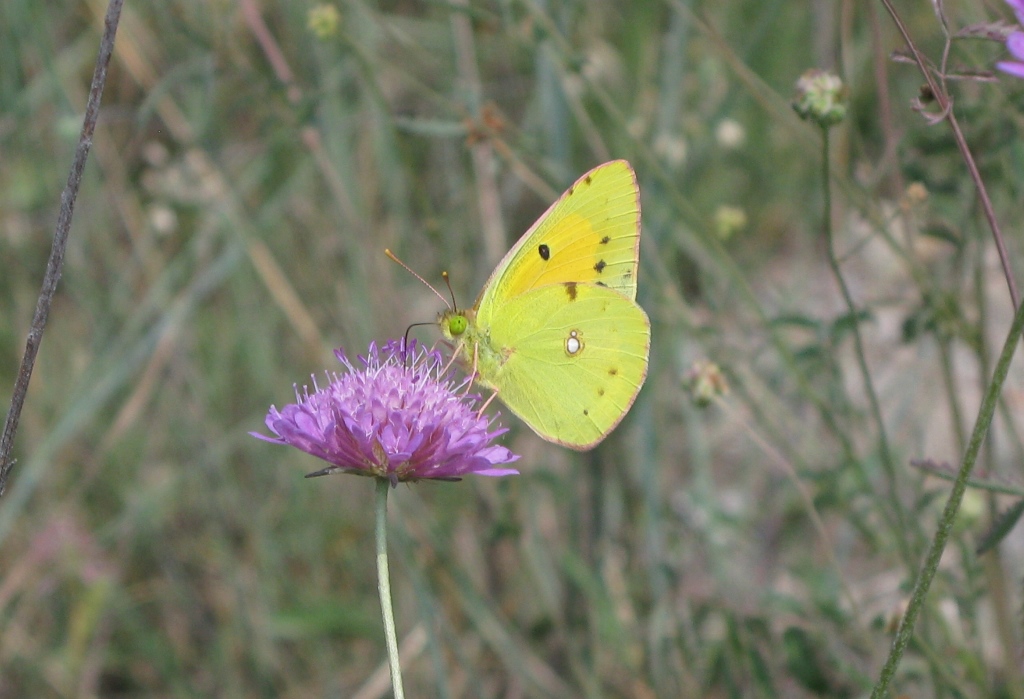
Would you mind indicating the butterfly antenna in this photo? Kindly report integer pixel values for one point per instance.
(425, 282)
(448, 283)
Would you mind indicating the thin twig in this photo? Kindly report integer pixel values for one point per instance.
(810, 508)
(946, 109)
(482, 152)
(888, 462)
(55, 265)
(949, 512)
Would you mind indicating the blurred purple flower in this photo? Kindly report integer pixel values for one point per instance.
(400, 417)
(1015, 45)
(1018, 9)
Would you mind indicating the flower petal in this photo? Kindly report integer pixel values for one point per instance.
(1015, 45)
(1011, 67)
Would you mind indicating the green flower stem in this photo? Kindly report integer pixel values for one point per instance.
(876, 411)
(384, 585)
(931, 561)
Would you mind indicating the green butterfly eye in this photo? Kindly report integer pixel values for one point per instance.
(457, 325)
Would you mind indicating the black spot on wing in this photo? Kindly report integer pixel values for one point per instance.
(605, 240)
(544, 251)
(570, 290)
(613, 372)
(599, 267)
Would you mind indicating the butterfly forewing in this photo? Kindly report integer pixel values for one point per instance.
(591, 234)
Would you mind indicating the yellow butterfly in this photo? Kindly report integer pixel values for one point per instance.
(556, 331)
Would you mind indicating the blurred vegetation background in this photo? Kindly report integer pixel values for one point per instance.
(253, 160)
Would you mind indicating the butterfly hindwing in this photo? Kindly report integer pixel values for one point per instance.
(576, 359)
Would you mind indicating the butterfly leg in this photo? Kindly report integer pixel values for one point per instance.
(473, 374)
(486, 403)
(451, 362)
(455, 357)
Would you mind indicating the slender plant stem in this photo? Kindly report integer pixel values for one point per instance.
(876, 410)
(938, 545)
(952, 395)
(1007, 620)
(811, 509)
(946, 111)
(55, 265)
(481, 150)
(384, 585)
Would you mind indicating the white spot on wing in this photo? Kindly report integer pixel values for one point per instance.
(573, 344)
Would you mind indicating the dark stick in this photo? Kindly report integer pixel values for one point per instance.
(55, 265)
(946, 106)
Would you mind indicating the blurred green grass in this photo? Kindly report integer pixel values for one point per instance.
(247, 175)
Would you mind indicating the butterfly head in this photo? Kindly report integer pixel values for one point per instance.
(454, 323)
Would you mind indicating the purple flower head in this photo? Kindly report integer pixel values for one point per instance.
(400, 417)
(1015, 45)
